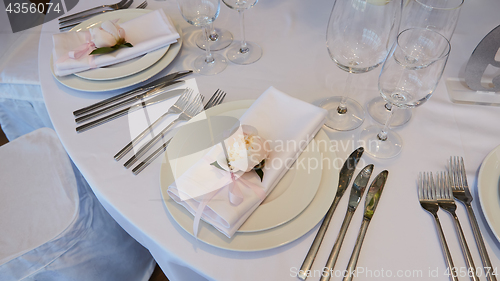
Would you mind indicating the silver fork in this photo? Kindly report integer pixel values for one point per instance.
(63, 26)
(177, 108)
(216, 99)
(195, 107)
(427, 197)
(461, 192)
(446, 202)
(111, 7)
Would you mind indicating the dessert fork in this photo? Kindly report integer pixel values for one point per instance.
(112, 7)
(177, 108)
(446, 202)
(428, 200)
(461, 192)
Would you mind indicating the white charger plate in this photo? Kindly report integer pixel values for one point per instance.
(488, 190)
(77, 83)
(266, 239)
(125, 68)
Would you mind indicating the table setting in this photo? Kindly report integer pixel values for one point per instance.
(165, 125)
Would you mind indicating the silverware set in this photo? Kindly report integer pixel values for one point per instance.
(70, 21)
(187, 106)
(439, 191)
(357, 191)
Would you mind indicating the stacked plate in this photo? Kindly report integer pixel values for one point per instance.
(123, 74)
(298, 202)
(489, 190)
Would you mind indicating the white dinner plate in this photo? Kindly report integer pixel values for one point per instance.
(77, 83)
(125, 68)
(267, 239)
(488, 189)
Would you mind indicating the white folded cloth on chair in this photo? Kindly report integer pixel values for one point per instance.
(146, 33)
(280, 119)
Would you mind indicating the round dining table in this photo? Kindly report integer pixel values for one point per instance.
(402, 241)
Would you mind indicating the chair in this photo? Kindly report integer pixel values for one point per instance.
(51, 225)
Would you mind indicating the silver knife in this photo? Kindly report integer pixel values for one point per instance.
(125, 111)
(154, 91)
(345, 177)
(371, 203)
(357, 190)
(147, 87)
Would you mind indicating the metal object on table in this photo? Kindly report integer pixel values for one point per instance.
(176, 108)
(345, 177)
(357, 191)
(216, 99)
(428, 200)
(111, 7)
(154, 100)
(461, 192)
(446, 202)
(195, 107)
(166, 79)
(70, 24)
(151, 93)
(371, 202)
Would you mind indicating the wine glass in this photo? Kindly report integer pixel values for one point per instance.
(438, 15)
(245, 52)
(202, 13)
(408, 78)
(219, 38)
(358, 37)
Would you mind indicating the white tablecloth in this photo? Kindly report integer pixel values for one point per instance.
(402, 237)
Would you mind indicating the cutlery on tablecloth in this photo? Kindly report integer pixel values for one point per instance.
(72, 23)
(179, 106)
(357, 191)
(195, 107)
(428, 200)
(371, 203)
(112, 7)
(216, 99)
(344, 178)
(461, 192)
(154, 100)
(446, 202)
(166, 79)
(148, 94)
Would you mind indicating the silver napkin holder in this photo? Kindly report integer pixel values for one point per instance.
(481, 82)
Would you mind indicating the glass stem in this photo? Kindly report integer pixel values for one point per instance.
(206, 31)
(213, 35)
(383, 134)
(243, 48)
(342, 109)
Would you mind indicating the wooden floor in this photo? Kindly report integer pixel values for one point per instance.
(157, 273)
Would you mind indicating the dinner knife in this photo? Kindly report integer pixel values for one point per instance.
(125, 111)
(371, 203)
(357, 191)
(344, 178)
(154, 91)
(147, 87)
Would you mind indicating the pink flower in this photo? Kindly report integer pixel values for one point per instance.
(108, 35)
(246, 149)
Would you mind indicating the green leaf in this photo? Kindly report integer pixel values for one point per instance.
(107, 50)
(216, 165)
(260, 173)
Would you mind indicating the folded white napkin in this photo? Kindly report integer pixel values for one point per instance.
(280, 119)
(146, 33)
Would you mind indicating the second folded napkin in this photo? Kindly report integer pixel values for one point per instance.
(288, 124)
(146, 33)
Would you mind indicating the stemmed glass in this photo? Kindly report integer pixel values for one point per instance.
(218, 38)
(245, 52)
(202, 13)
(408, 78)
(438, 15)
(358, 37)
